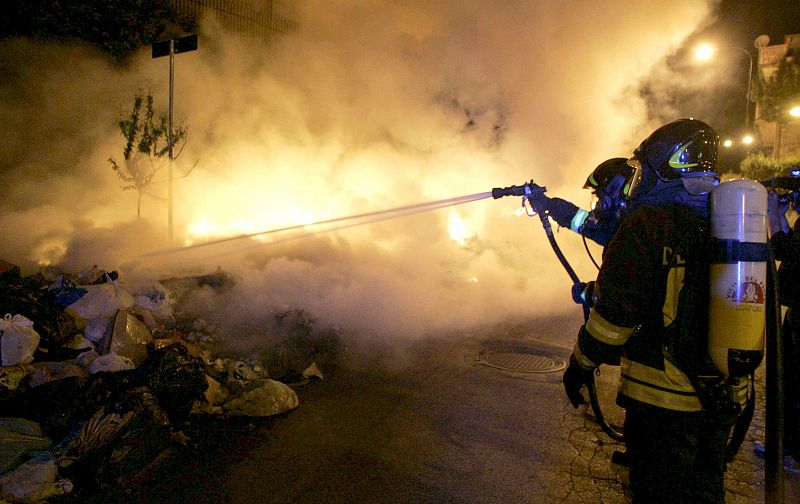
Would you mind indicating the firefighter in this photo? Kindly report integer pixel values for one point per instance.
(785, 242)
(610, 182)
(675, 446)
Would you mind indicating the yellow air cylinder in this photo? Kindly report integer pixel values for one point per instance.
(738, 276)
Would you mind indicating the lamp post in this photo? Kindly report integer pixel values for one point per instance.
(705, 52)
(749, 91)
(170, 48)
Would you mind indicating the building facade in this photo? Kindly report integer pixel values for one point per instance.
(779, 138)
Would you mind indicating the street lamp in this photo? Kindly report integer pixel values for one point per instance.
(706, 51)
(746, 140)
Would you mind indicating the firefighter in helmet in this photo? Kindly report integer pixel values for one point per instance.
(610, 182)
(785, 243)
(675, 446)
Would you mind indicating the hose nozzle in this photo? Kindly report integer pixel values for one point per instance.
(526, 189)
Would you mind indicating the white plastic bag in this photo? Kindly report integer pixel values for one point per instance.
(110, 362)
(19, 340)
(33, 481)
(100, 301)
(157, 300)
(97, 330)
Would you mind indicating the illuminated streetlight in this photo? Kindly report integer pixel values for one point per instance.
(746, 140)
(706, 51)
(795, 111)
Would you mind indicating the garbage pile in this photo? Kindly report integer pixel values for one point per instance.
(98, 381)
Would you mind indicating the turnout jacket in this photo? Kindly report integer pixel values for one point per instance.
(639, 283)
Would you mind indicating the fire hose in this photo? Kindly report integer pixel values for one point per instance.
(533, 194)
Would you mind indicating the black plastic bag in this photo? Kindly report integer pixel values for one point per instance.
(177, 379)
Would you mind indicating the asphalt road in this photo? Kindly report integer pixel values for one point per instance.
(428, 423)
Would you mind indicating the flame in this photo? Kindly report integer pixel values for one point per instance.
(458, 229)
(218, 222)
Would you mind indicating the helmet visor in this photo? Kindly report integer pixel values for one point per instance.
(633, 184)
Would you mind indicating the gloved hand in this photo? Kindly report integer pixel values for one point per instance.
(575, 377)
(538, 200)
(583, 293)
(776, 211)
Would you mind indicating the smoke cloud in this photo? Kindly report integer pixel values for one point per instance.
(371, 106)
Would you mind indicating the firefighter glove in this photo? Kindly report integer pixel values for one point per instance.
(539, 201)
(583, 293)
(575, 377)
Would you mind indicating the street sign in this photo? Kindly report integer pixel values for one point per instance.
(183, 44)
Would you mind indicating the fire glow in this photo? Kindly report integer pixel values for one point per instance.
(375, 111)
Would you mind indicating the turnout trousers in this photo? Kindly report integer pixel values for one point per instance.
(675, 457)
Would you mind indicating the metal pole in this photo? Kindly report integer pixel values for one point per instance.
(169, 138)
(774, 486)
(749, 90)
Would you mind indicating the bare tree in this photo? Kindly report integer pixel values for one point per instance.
(146, 145)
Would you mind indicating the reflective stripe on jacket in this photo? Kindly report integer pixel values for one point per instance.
(640, 279)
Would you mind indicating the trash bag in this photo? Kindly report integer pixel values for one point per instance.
(64, 291)
(262, 398)
(98, 330)
(79, 342)
(103, 388)
(213, 398)
(156, 300)
(44, 372)
(18, 438)
(58, 406)
(96, 275)
(30, 297)
(11, 376)
(86, 358)
(176, 378)
(110, 363)
(18, 341)
(100, 301)
(120, 440)
(130, 337)
(34, 481)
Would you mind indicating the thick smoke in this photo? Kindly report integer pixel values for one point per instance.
(371, 106)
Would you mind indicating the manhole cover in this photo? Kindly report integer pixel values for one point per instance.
(521, 362)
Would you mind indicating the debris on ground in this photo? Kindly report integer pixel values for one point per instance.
(99, 384)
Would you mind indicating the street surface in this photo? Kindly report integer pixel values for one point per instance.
(428, 423)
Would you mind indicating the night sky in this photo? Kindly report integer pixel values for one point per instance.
(738, 23)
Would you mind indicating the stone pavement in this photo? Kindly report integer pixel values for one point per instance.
(593, 475)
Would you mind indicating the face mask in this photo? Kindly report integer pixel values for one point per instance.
(636, 178)
(701, 184)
